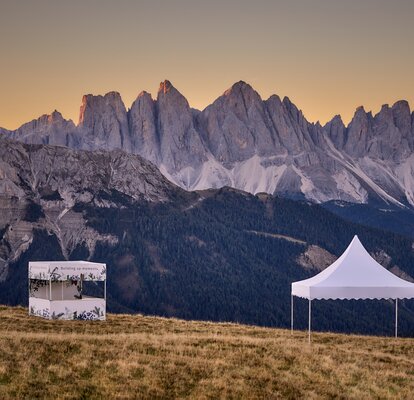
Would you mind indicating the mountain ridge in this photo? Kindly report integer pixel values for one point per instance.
(243, 141)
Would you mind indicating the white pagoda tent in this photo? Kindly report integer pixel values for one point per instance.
(56, 290)
(354, 275)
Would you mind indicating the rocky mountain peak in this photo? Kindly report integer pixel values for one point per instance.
(401, 105)
(385, 114)
(338, 119)
(291, 108)
(287, 102)
(103, 121)
(165, 87)
(180, 142)
(336, 123)
(47, 129)
(402, 120)
(56, 116)
(335, 129)
(143, 127)
(238, 88)
(144, 94)
(298, 119)
(168, 94)
(110, 98)
(274, 98)
(237, 125)
(358, 133)
(240, 98)
(97, 103)
(46, 121)
(361, 117)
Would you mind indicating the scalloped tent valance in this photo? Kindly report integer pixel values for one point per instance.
(354, 275)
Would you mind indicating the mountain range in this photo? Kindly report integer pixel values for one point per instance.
(248, 143)
(217, 254)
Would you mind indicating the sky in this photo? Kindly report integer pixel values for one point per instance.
(327, 56)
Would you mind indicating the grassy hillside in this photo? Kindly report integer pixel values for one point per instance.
(151, 357)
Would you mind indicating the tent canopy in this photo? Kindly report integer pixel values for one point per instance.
(354, 275)
(67, 270)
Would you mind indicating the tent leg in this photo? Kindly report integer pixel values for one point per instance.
(291, 314)
(105, 297)
(309, 321)
(396, 317)
(29, 282)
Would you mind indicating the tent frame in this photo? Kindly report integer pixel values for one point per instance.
(310, 317)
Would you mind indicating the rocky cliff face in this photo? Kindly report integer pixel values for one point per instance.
(237, 126)
(181, 147)
(248, 143)
(103, 123)
(143, 128)
(41, 186)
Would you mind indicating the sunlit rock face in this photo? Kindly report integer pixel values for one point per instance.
(181, 146)
(243, 141)
(237, 126)
(143, 128)
(103, 123)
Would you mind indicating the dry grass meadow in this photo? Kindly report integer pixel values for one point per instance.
(148, 357)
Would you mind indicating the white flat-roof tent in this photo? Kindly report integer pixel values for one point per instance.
(354, 275)
(55, 290)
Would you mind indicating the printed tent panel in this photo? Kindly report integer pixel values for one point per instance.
(57, 291)
(67, 270)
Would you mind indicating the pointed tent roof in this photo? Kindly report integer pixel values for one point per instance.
(354, 275)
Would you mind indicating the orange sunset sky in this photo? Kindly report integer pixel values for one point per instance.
(327, 56)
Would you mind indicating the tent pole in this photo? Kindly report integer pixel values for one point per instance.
(309, 321)
(396, 317)
(105, 297)
(291, 314)
(29, 283)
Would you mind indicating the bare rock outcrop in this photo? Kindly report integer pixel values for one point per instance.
(316, 258)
